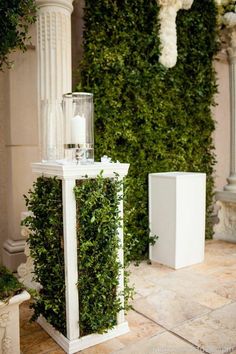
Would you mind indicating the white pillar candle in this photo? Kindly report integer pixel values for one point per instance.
(78, 130)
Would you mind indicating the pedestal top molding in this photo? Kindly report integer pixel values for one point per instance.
(73, 171)
(67, 4)
(178, 174)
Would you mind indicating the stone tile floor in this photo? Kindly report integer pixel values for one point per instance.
(191, 310)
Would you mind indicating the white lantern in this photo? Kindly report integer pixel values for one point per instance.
(78, 127)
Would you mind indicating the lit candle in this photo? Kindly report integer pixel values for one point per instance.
(78, 130)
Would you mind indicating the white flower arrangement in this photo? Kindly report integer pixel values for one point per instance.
(168, 36)
(229, 19)
(167, 16)
(227, 13)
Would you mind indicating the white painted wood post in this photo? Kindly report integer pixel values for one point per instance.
(70, 258)
(120, 290)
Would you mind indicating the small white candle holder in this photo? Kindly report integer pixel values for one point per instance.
(78, 127)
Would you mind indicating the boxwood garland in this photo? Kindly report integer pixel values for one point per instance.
(156, 119)
(97, 229)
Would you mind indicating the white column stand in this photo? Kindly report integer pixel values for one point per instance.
(72, 343)
(177, 217)
(120, 290)
(70, 256)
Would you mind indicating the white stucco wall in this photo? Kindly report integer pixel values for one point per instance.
(4, 115)
(18, 138)
(222, 117)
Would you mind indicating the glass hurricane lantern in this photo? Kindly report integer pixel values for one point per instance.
(78, 127)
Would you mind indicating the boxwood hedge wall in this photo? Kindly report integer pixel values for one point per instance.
(156, 119)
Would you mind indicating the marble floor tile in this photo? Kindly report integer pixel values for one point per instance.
(197, 302)
(217, 247)
(209, 267)
(211, 300)
(146, 269)
(224, 273)
(168, 308)
(25, 311)
(142, 286)
(27, 326)
(38, 342)
(185, 283)
(214, 332)
(164, 343)
(227, 290)
(56, 351)
(214, 264)
(140, 327)
(104, 348)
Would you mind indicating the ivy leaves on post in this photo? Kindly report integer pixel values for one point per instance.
(98, 221)
(46, 248)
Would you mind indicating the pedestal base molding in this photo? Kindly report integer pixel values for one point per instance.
(73, 346)
(13, 253)
(26, 270)
(226, 228)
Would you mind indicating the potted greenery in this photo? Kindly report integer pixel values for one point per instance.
(12, 294)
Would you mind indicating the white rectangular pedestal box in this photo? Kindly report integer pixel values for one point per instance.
(69, 173)
(177, 217)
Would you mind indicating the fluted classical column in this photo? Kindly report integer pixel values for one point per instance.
(53, 65)
(231, 186)
(54, 72)
(54, 48)
(225, 229)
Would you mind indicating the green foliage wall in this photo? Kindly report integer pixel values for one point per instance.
(156, 119)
